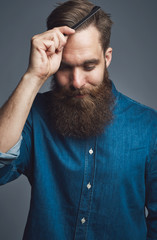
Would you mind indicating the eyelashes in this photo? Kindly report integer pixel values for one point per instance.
(85, 67)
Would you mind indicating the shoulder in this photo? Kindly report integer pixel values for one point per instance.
(41, 100)
(40, 107)
(139, 118)
(131, 106)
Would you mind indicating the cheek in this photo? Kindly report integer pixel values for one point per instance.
(97, 77)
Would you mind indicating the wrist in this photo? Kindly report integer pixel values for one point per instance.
(33, 80)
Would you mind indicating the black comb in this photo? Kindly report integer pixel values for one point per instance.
(93, 11)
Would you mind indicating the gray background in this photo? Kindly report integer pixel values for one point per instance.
(133, 70)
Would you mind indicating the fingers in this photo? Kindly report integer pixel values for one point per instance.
(53, 40)
(66, 30)
(46, 51)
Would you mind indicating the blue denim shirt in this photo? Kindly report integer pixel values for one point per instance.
(91, 189)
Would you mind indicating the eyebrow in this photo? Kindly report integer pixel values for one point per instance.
(86, 62)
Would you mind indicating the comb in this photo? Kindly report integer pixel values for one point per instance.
(93, 11)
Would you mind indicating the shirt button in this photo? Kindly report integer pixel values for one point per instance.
(83, 220)
(89, 185)
(91, 151)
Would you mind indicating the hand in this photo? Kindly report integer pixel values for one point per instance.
(46, 52)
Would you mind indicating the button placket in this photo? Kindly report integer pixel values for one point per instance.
(86, 195)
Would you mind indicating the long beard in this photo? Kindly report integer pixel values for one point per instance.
(84, 116)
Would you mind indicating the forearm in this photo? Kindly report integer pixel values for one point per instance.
(45, 58)
(14, 113)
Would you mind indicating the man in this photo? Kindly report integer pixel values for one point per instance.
(89, 152)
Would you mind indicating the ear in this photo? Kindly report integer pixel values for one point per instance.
(108, 56)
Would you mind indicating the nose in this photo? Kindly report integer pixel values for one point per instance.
(77, 78)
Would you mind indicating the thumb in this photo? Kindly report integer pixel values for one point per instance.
(66, 30)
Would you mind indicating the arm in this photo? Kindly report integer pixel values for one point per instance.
(151, 196)
(45, 58)
(12, 154)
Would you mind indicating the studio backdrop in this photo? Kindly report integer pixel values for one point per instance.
(133, 71)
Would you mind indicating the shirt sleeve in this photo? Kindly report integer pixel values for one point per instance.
(19, 159)
(12, 154)
(151, 196)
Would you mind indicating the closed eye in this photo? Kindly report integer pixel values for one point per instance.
(89, 67)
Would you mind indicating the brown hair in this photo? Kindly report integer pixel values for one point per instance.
(71, 12)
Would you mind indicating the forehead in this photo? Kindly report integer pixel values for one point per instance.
(83, 45)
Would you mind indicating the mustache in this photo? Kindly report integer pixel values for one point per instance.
(72, 92)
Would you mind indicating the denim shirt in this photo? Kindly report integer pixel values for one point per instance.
(90, 189)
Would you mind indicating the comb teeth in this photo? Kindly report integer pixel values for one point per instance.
(93, 11)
